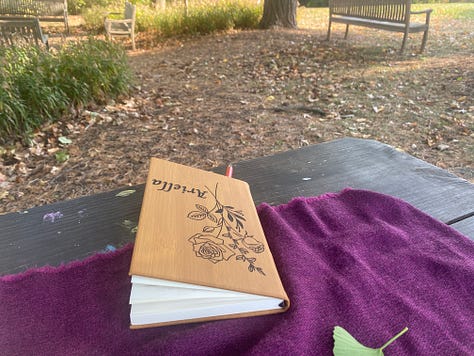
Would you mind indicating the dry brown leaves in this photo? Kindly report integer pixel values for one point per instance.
(229, 97)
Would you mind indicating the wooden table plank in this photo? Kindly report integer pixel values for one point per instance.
(359, 164)
(87, 225)
(465, 226)
(90, 224)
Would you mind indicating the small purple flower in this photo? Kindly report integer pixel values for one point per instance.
(52, 217)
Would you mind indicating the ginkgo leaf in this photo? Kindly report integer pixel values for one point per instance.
(346, 345)
(125, 193)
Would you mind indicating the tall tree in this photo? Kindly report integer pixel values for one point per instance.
(279, 13)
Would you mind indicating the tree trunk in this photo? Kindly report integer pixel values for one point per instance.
(279, 13)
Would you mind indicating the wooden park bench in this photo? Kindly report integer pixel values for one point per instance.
(24, 31)
(390, 15)
(44, 10)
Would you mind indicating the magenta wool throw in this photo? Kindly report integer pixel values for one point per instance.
(368, 262)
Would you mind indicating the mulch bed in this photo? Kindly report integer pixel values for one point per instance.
(228, 97)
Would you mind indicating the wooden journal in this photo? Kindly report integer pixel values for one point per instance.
(200, 251)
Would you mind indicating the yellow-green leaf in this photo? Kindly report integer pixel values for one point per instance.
(346, 345)
(125, 193)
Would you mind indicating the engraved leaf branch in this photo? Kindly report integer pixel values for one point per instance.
(224, 235)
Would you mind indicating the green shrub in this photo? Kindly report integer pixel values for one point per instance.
(202, 18)
(209, 18)
(28, 98)
(454, 11)
(13, 109)
(247, 17)
(101, 74)
(94, 17)
(75, 7)
(38, 86)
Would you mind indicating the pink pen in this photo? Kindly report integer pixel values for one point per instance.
(229, 170)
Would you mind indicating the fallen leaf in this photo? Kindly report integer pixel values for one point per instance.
(377, 109)
(64, 140)
(346, 345)
(125, 193)
(61, 156)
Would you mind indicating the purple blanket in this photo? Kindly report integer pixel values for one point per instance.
(367, 262)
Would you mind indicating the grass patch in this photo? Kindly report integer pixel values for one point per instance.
(39, 87)
(455, 11)
(199, 19)
(316, 17)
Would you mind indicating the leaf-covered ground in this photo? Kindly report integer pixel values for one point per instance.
(223, 98)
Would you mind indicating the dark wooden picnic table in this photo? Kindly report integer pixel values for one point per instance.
(74, 229)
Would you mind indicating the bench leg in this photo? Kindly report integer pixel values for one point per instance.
(329, 31)
(133, 41)
(347, 32)
(405, 36)
(423, 43)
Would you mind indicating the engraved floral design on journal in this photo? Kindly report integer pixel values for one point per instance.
(224, 236)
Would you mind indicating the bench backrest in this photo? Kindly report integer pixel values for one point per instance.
(38, 8)
(20, 31)
(381, 10)
(129, 12)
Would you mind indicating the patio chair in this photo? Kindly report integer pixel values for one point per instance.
(122, 27)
